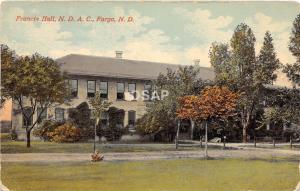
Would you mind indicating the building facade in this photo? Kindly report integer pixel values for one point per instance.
(115, 79)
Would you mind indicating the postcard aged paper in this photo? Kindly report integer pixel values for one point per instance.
(154, 96)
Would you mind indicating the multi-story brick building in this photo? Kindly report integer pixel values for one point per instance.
(114, 78)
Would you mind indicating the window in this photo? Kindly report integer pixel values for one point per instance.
(120, 91)
(131, 118)
(104, 119)
(27, 117)
(132, 89)
(103, 90)
(73, 84)
(59, 114)
(91, 88)
(42, 114)
(147, 91)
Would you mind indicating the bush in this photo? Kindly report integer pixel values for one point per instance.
(111, 134)
(46, 128)
(81, 117)
(116, 127)
(66, 133)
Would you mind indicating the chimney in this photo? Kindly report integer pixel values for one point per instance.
(119, 54)
(197, 61)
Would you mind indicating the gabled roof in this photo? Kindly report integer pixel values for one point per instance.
(76, 64)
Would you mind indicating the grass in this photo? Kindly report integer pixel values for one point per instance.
(50, 147)
(161, 175)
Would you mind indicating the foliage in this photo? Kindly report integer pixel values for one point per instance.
(220, 56)
(161, 114)
(99, 106)
(293, 70)
(283, 106)
(81, 117)
(267, 63)
(31, 81)
(66, 133)
(116, 117)
(115, 128)
(213, 103)
(241, 71)
(44, 130)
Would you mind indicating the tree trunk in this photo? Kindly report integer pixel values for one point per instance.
(244, 132)
(200, 141)
(95, 134)
(206, 141)
(28, 138)
(177, 135)
(192, 129)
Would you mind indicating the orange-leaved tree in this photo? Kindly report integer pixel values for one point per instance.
(213, 103)
(187, 111)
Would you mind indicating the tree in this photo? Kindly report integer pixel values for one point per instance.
(160, 116)
(243, 72)
(212, 104)
(99, 106)
(8, 56)
(220, 57)
(267, 62)
(293, 70)
(33, 81)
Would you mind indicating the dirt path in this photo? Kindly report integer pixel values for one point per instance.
(248, 153)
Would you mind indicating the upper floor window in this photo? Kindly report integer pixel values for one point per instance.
(91, 88)
(73, 84)
(59, 114)
(42, 113)
(103, 90)
(132, 89)
(120, 91)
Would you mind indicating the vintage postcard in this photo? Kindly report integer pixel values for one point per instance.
(150, 96)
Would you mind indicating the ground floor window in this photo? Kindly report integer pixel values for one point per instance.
(59, 114)
(42, 113)
(131, 118)
(27, 117)
(104, 120)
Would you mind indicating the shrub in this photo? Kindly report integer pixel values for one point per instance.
(66, 133)
(81, 117)
(115, 129)
(45, 129)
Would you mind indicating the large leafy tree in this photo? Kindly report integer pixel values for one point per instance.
(161, 113)
(220, 57)
(267, 62)
(214, 103)
(243, 72)
(243, 62)
(32, 81)
(293, 70)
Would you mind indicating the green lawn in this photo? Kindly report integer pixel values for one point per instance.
(49, 147)
(163, 175)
